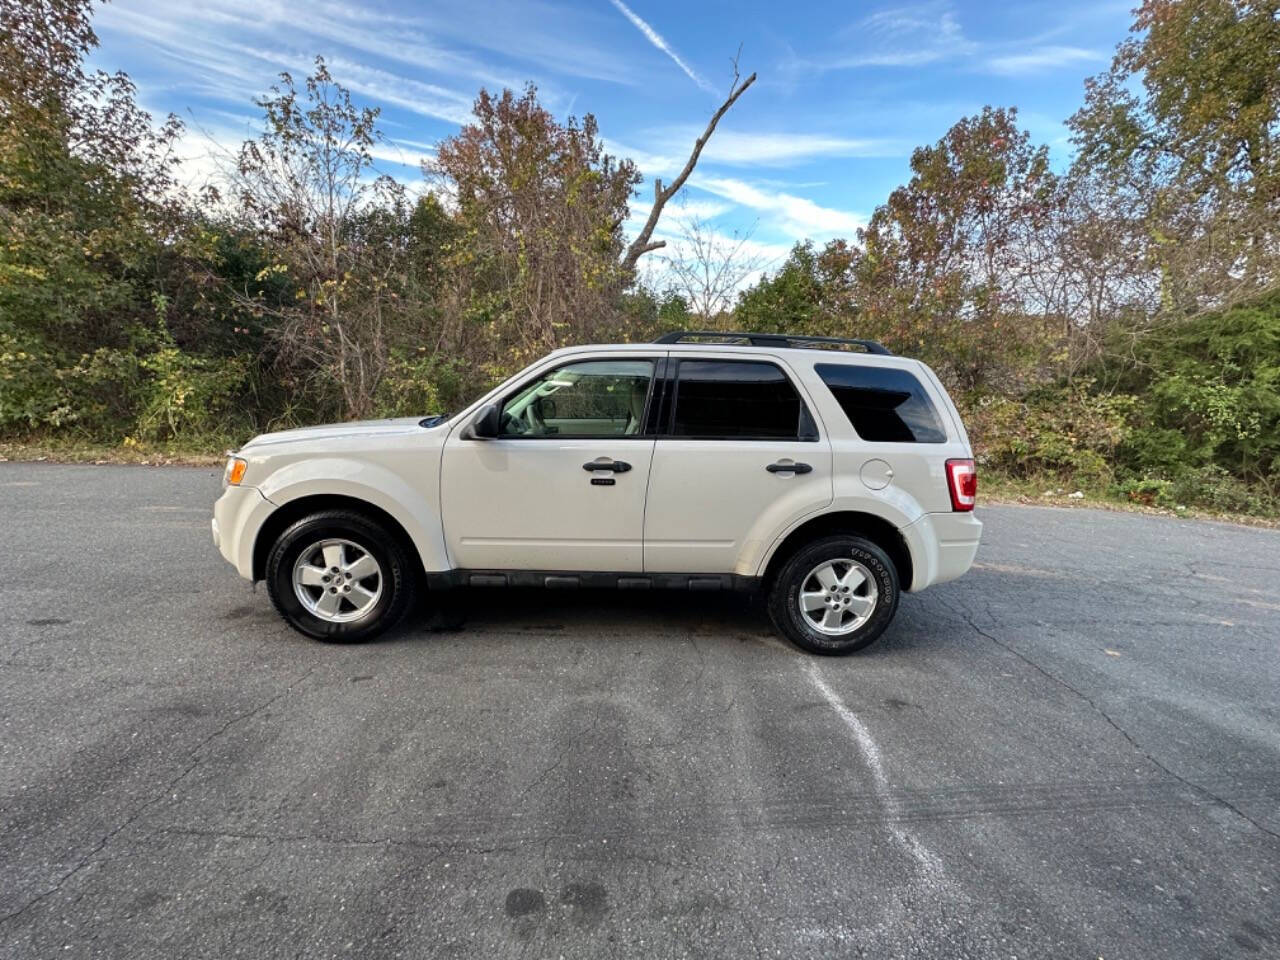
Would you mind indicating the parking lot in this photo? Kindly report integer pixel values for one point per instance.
(1074, 751)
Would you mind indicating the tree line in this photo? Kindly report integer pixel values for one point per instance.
(1114, 324)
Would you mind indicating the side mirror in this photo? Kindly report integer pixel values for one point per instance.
(487, 424)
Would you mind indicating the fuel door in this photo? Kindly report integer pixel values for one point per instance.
(876, 474)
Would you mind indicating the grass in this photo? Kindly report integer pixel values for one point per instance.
(1052, 491)
(64, 450)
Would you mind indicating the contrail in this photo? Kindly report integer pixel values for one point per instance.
(656, 39)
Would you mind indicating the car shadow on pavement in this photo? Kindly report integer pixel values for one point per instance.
(522, 610)
(922, 621)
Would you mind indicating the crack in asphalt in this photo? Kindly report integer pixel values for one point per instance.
(222, 834)
(1139, 748)
(194, 758)
(561, 755)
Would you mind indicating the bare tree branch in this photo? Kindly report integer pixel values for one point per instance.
(708, 268)
(642, 243)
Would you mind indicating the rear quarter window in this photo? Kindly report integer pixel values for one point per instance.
(883, 404)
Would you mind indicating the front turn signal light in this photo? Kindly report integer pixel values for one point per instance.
(235, 471)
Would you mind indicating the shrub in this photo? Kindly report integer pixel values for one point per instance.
(1148, 491)
(1063, 431)
(185, 396)
(420, 384)
(31, 393)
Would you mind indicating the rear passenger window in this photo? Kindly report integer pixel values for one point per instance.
(738, 400)
(883, 403)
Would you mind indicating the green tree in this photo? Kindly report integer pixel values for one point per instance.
(540, 209)
(944, 268)
(644, 313)
(84, 180)
(1184, 124)
(1209, 404)
(812, 292)
(88, 204)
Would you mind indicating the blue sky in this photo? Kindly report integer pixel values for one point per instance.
(845, 90)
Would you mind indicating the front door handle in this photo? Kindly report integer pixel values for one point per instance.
(617, 466)
(781, 467)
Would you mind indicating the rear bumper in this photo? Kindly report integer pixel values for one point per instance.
(942, 546)
(237, 516)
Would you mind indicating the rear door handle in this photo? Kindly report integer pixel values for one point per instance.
(781, 467)
(617, 466)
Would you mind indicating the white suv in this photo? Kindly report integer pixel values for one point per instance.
(830, 478)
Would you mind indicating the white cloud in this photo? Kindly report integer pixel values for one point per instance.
(763, 255)
(930, 32)
(230, 51)
(515, 29)
(656, 39)
(779, 149)
(229, 68)
(735, 148)
(909, 36)
(648, 163)
(680, 212)
(206, 152)
(207, 155)
(391, 151)
(793, 216)
(1040, 58)
(557, 38)
(427, 99)
(760, 243)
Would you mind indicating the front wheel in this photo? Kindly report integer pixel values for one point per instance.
(338, 576)
(835, 595)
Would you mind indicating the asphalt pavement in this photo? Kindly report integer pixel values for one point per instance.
(1073, 751)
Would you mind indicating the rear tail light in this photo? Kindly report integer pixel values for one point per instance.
(962, 483)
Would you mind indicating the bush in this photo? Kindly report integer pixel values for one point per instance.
(151, 391)
(1210, 390)
(1148, 491)
(31, 393)
(420, 384)
(184, 397)
(1063, 431)
(1213, 486)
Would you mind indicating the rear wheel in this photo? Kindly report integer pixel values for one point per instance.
(336, 575)
(835, 595)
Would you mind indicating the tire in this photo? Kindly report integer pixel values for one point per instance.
(344, 607)
(839, 620)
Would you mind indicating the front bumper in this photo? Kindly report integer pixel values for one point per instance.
(237, 516)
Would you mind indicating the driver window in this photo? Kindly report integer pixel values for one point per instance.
(594, 398)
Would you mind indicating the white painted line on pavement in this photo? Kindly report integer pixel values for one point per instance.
(928, 861)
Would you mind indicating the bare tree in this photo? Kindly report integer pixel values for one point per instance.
(643, 242)
(304, 187)
(708, 268)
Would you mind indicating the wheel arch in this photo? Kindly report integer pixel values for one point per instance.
(289, 513)
(877, 529)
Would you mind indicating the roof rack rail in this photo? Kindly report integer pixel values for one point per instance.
(792, 341)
